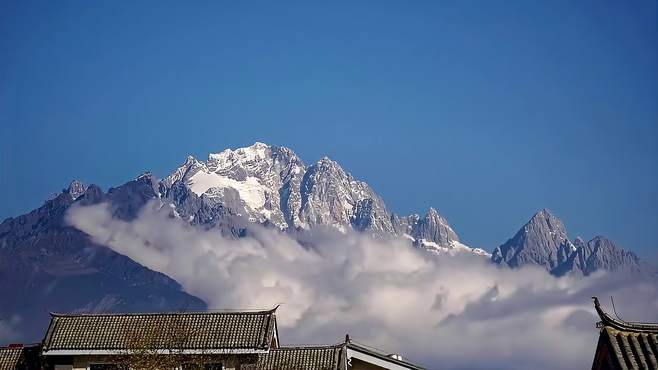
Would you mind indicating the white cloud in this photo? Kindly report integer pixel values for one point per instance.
(8, 329)
(445, 312)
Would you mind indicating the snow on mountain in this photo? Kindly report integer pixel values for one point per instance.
(253, 181)
(453, 248)
(271, 185)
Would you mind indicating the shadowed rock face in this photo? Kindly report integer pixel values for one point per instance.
(46, 265)
(543, 241)
(601, 253)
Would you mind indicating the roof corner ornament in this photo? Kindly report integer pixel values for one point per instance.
(618, 323)
(599, 310)
(596, 302)
(347, 339)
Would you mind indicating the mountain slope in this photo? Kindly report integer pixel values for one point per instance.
(543, 241)
(46, 265)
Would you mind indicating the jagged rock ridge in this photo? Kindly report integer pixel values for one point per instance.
(272, 185)
(543, 241)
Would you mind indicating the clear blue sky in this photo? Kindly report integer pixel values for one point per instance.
(486, 110)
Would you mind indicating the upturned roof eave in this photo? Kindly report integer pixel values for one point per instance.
(609, 321)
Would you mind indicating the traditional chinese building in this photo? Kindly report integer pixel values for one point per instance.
(625, 345)
(225, 340)
(229, 340)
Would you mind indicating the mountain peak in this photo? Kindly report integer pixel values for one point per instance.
(432, 228)
(190, 160)
(255, 151)
(325, 163)
(545, 221)
(146, 175)
(541, 241)
(327, 160)
(259, 144)
(76, 189)
(543, 214)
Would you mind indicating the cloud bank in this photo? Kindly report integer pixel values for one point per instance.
(458, 312)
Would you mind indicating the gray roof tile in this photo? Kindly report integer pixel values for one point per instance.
(204, 331)
(299, 358)
(10, 357)
(625, 345)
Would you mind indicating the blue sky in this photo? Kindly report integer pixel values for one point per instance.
(486, 110)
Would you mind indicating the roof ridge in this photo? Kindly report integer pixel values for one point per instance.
(310, 346)
(382, 354)
(171, 313)
(228, 330)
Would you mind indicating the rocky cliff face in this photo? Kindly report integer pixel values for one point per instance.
(432, 227)
(603, 254)
(543, 241)
(272, 186)
(330, 196)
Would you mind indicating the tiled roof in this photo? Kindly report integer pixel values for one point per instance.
(625, 345)
(631, 350)
(299, 358)
(383, 356)
(321, 358)
(9, 357)
(201, 331)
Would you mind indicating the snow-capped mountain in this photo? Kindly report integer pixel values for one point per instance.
(259, 182)
(272, 185)
(543, 241)
(64, 270)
